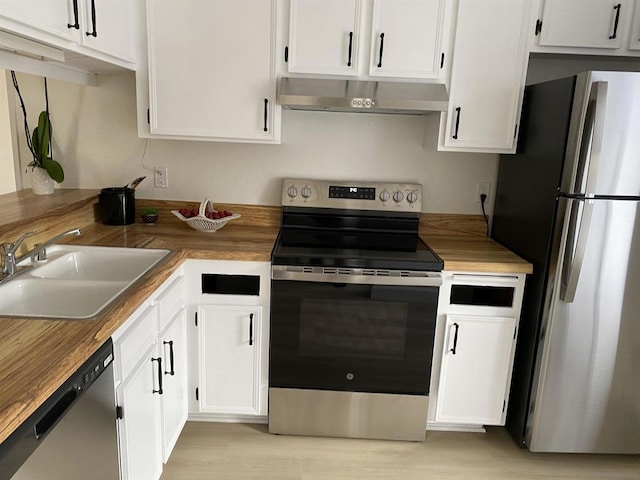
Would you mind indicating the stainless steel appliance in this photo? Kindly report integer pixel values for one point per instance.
(568, 203)
(73, 434)
(354, 295)
(360, 96)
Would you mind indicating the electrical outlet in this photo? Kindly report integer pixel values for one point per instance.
(484, 188)
(160, 179)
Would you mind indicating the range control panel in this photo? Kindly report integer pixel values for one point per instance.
(397, 197)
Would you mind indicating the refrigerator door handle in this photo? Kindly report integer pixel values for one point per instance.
(590, 146)
(578, 234)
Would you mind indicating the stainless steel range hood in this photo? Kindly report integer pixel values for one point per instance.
(362, 96)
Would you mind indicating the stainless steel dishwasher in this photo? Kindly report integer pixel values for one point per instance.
(73, 434)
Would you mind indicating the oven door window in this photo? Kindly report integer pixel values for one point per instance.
(362, 338)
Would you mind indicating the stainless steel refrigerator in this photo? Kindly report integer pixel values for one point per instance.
(567, 201)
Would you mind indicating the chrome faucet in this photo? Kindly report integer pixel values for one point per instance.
(8, 251)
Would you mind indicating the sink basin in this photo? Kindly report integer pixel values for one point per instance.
(100, 263)
(76, 282)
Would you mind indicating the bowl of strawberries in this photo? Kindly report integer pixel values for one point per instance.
(206, 218)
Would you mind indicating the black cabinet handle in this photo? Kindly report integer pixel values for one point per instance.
(159, 360)
(172, 371)
(266, 113)
(93, 20)
(381, 49)
(617, 8)
(251, 329)
(350, 48)
(455, 339)
(455, 134)
(75, 25)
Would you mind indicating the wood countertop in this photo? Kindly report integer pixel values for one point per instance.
(461, 242)
(37, 356)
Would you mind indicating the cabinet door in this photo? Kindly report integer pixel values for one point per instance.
(230, 357)
(55, 17)
(139, 427)
(107, 27)
(487, 78)
(173, 347)
(634, 39)
(406, 38)
(476, 362)
(324, 36)
(580, 23)
(211, 69)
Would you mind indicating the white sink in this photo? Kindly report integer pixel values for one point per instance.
(76, 282)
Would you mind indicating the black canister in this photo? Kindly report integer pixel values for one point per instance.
(117, 205)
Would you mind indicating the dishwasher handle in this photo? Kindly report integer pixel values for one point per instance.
(55, 413)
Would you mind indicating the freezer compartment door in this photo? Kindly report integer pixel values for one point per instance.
(586, 394)
(602, 150)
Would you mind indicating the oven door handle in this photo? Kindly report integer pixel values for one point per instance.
(356, 276)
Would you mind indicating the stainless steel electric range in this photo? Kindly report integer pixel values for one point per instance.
(354, 294)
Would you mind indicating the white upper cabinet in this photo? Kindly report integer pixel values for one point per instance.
(406, 38)
(487, 78)
(55, 17)
(587, 27)
(634, 38)
(107, 27)
(211, 70)
(377, 38)
(102, 26)
(580, 23)
(324, 36)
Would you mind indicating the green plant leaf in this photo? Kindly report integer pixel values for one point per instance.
(44, 133)
(54, 169)
(35, 143)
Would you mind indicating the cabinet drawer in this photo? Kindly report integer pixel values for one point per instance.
(136, 341)
(169, 302)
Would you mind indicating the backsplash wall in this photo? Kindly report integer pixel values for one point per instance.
(96, 141)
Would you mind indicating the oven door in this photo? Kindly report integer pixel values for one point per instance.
(352, 332)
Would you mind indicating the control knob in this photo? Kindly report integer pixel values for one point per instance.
(292, 191)
(306, 192)
(384, 196)
(398, 196)
(412, 196)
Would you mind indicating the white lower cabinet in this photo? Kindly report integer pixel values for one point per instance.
(476, 331)
(230, 357)
(139, 429)
(174, 405)
(228, 337)
(475, 368)
(150, 357)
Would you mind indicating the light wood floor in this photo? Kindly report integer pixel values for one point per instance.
(241, 451)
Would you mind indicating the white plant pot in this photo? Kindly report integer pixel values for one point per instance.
(41, 182)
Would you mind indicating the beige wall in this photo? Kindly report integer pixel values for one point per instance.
(95, 139)
(7, 175)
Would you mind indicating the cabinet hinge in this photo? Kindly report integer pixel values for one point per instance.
(196, 319)
(515, 332)
(286, 54)
(515, 131)
(442, 60)
(119, 412)
(148, 116)
(538, 27)
(504, 405)
(197, 394)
